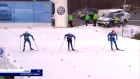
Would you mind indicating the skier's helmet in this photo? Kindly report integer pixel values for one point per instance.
(113, 31)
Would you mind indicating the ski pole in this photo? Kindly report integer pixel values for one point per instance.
(36, 45)
(74, 44)
(20, 44)
(62, 44)
(105, 45)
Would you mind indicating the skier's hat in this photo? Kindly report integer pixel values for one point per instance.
(113, 30)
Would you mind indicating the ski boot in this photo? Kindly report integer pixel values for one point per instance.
(23, 49)
(73, 49)
(112, 49)
(31, 48)
(117, 49)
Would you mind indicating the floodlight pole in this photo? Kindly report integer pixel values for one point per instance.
(124, 5)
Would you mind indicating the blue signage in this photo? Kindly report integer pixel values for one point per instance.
(1, 51)
(132, 31)
(26, 11)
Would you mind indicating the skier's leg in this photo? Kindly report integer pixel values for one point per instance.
(111, 44)
(30, 44)
(115, 44)
(24, 45)
(71, 44)
(68, 45)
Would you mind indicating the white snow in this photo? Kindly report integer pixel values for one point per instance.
(91, 62)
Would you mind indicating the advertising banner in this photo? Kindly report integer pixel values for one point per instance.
(26, 11)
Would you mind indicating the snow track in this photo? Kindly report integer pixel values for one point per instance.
(91, 62)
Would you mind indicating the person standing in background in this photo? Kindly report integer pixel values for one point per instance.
(95, 18)
(53, 20)
(87, 18)
(70, 20)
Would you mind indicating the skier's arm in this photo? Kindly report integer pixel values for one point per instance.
(21, 35)
(31, 36)
(116, 36)
(108, 36)
(65, 36)
(74, 37)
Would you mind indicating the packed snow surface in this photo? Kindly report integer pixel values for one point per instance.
(93, 60)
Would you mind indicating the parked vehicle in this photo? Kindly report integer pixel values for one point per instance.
(5, 12)
(108, 19)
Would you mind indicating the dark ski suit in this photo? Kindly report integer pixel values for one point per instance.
(26, 39)
(69, 40)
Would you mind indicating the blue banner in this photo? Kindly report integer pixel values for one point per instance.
(36, 70)
(26, 11)
(22, 72)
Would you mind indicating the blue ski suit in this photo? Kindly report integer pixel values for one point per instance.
(69, 40)
(26, 38)
(111, 38)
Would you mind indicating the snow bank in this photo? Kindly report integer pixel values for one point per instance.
(126, 30)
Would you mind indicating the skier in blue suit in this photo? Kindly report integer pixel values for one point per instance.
(111, 38)
(26, 39)
(69, 40)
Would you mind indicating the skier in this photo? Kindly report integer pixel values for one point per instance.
(111, 38)
(26, 39)
(69, 40)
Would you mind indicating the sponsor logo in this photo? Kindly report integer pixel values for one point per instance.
(60, 10)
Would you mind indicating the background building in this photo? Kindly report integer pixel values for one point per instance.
(74, 5)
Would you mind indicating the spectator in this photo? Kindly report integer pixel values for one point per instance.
(87, 18)
(95, 18)
(70, 20)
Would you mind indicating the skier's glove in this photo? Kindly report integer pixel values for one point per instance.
(20, 35)
(108, 39)
(33, 39)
